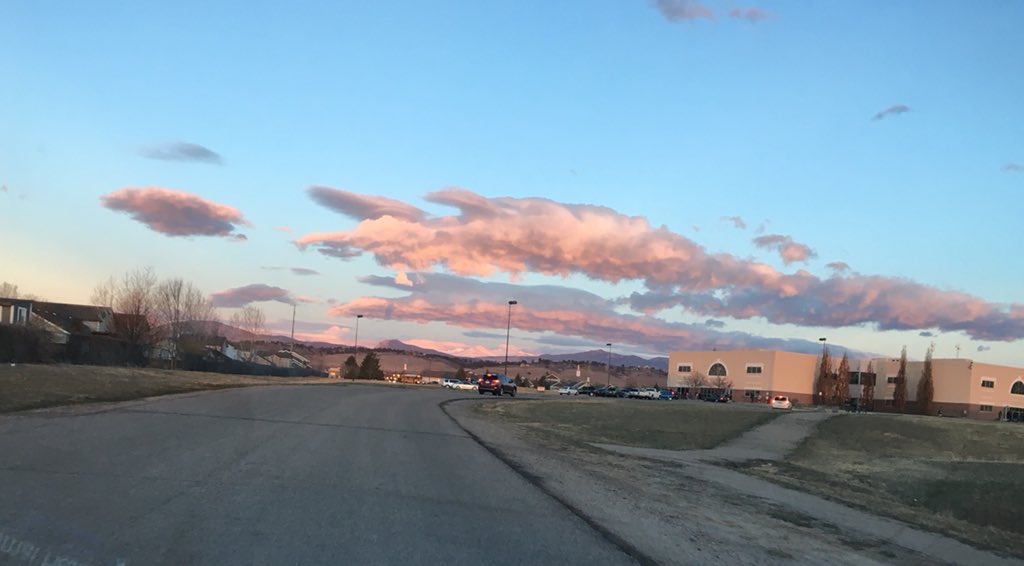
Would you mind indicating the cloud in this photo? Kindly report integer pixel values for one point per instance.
(285, 229)
(1012, 167)
(520, 235)
(482, 334)
(175, 213)
(984, 348)
(789, 250)
(838, 266)
(926, 334)
(239, 238)
(182, 151)
(712, 323)
(464, 350)
(332, 333)
(238, 297)
(893, 110)
(3, 188)
(304, 271)
(683, 10)
(736, 221)
(401, 278)
(753, 15)
(363, 207)
(551, 309)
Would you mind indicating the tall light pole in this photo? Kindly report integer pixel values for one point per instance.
(358, 316)
(824, 353)
(508, 332)
(609, 384)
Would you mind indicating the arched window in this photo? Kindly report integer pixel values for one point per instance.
(1018, 388)
(717, 370)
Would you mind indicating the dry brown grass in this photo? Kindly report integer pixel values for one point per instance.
(964, 478)
(27, 386)
(668, 425)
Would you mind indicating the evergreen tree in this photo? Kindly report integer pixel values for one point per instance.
(867, 389)
(926, 386)
(841, 384)
(461, 374)
(351, 368)
(823, 381)
(899, 395)
(370, 368)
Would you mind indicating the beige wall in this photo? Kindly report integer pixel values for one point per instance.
(781, 372)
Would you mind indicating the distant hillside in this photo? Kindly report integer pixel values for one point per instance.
(403, 347)
(601, 356)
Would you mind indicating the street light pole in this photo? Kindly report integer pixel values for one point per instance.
(609, 384)
(356, 346)
(824, 353)
(508, 333)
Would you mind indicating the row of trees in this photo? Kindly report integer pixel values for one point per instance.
(698, 380)
(369, 369)
(834, 387)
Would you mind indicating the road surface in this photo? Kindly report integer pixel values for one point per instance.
(352, 474)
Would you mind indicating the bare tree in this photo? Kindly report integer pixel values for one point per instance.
(105, 294)
(696, 380)
(251, 320)
(10, 291)
(183, 311)
(926, 386)
(899, 395)
(721, 382)
(132, 299)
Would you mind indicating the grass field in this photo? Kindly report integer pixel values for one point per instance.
(35, 386)
(650, 424)
(965, 478)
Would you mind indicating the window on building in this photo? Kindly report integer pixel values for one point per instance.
(717, 370)
(986, 408)
(854, 378)
(988, 383)
(20, 315)
(1018, 388)
(890, 379)
(685, 368)
(754, 369)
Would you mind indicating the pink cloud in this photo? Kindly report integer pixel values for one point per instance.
(258, 292)
(363, 207)
(789, 250)
(469, 350)
(285, 229)
(468, 303)
(176, 213)
(521, 235)
(838, 266)
(683, 10)
(312, 331)
(750, 14)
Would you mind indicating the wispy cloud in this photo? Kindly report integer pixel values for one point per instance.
(3, 188)
(926, 334)
(893, 110)
(182, 151)
(838, 266)
(1012, 167)
(753, 15)
(238, 297)
(520, 235)
(789, 250)
(285, 229)
(364, 207)
(304, 271)
(984, 348)
(683, 10)
(736, 221)
(712, 323)
(176, 213)
(544, 308)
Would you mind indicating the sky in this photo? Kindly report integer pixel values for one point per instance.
(660, 175)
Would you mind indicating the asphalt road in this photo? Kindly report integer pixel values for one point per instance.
(352, 474)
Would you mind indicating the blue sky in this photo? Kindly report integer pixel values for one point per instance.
(647, 109)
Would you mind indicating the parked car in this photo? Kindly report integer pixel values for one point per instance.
(648, 393)
(587, 390)
(628, 393)
(609, 391)
(464, 385)
(496, 384)
(449, 382)
(568, 390)
(781, 402)
(666, 395)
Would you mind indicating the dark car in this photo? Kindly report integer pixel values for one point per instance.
(587, 390)
(496, 384)
(606, 392)
(628, 392)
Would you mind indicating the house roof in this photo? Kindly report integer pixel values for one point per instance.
(71, 318)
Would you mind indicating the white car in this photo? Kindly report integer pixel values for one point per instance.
(781, 402)
(568, 391)
(464, 385)
(648, 393)
(449, 382)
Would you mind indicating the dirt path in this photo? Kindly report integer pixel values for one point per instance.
(677, 507)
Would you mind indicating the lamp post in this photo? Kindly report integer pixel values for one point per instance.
(508, 333)
(609, 365)
(824, 353)
(358, 316)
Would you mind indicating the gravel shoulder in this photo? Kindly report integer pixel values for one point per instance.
(678, 508)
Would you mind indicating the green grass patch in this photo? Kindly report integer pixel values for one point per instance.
(961, 477)
(648, 424)
(31, 386)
